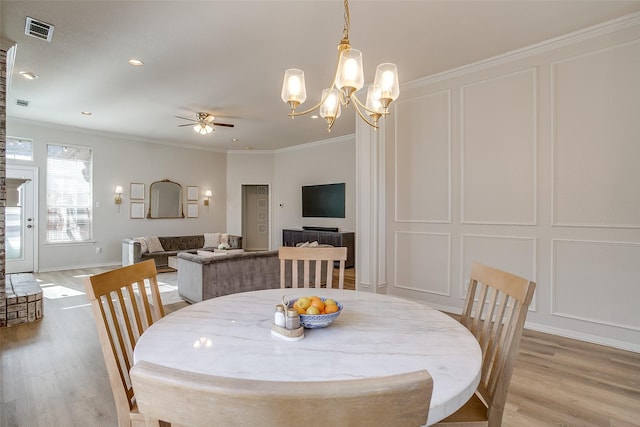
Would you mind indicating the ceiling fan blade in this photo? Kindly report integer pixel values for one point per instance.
(188, 124)
(229, 125)
(184, 118)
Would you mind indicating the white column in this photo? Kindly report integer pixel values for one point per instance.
(370, 209)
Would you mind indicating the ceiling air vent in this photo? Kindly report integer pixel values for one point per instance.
(22, 103)
(38, 29)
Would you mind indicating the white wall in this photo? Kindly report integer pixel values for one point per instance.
(247, 168)
(118, 161)
(528, 162)
(327, 162)
(286, 171)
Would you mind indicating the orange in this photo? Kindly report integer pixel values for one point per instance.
(317, 302)
(330, 308)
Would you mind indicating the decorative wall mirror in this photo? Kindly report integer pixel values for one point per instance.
(165, 200)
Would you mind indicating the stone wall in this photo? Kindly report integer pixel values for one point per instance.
(23, 300)
(20, 295)
(3, 182)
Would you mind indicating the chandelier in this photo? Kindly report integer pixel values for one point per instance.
(349, 78)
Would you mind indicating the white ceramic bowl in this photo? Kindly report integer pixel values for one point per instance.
(314, 321)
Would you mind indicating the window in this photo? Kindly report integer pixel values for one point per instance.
(19, 149)
(68, 193)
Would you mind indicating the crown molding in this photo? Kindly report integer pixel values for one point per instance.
(581, 35)
(308, 145)
(107, 134)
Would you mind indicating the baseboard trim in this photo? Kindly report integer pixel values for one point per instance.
(593, 339)
(78, 267)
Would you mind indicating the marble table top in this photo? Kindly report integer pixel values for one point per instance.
(375, 335)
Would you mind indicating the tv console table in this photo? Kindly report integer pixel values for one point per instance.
(290, 237)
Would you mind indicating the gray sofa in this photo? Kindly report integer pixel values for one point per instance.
(132, 249)
(201, 278)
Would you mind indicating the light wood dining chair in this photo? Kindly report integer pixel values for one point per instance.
(323, 257)
(123, 312)
(190, 399)
(495, 310)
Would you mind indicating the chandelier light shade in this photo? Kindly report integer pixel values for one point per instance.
(294, 91)
(330, 108)
(387, 81)
(348, 79)
(374, 109)
(350, 75)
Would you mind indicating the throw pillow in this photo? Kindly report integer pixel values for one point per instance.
(143, 244)
(224, 238)
(313, 244)
(211, 240)
(302, 245)
(154, 245)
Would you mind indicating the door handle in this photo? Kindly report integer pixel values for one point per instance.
(29, 226)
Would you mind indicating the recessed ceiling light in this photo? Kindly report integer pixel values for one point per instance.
(30, 75)
(135, 62)
(87, 113)
(248, 148)
(235, 140)
(314, 116)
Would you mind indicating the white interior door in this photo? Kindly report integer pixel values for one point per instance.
(255, 217)
(20, 219)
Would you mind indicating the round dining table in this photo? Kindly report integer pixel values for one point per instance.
(375, 335)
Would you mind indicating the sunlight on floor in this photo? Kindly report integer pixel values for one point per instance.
(52, 291)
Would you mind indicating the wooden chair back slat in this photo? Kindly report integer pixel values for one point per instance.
(503, 326)
(123, 312)
(495, 310)
(136, 310)
(114, 332)
(322, 256)
(186, 398)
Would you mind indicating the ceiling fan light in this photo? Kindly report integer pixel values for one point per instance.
(202, 129)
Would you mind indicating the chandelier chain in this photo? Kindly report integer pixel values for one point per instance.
(347, 22)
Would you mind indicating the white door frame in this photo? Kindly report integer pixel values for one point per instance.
(29, 260)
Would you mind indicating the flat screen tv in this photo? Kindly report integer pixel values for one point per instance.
(323, 201)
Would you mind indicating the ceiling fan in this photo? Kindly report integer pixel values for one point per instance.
(203, 123)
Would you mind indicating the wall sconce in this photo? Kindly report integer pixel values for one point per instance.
(207, 195)
(118, 198)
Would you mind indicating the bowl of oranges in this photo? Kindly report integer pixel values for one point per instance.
(316, 312)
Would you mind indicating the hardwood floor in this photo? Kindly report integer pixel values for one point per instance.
(53, 374)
